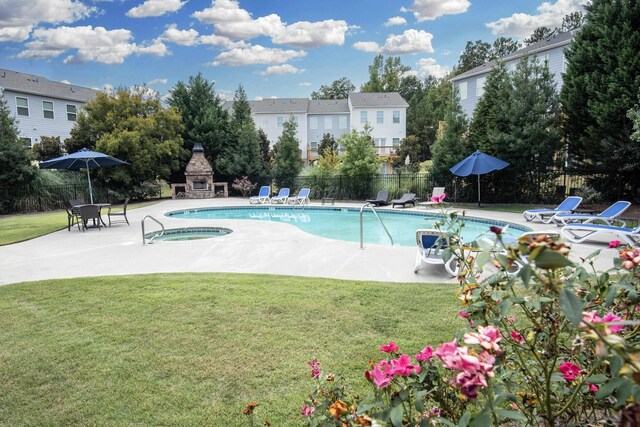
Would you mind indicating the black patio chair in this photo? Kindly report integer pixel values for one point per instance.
(90, 212)
(121, 216)
(404, 200)
(73, 217)
(382, 199)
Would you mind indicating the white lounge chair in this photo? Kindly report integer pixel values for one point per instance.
(608, 216)
(282, 197)
(302, 198)
(578, 233)
(545, 215)
(437, 191)
(431, 244)
(263, 195)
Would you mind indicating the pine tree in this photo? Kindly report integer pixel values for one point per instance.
(288, 156)
(452, 146)
(15, 168)
(241, 107)
(265, 150)
(600, 85)
(328, 145)
(243, 157)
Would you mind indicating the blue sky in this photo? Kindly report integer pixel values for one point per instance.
(274, 48)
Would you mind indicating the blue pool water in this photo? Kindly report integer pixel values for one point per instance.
(344, 223)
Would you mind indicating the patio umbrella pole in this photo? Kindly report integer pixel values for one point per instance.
(89, 178)
(478, 190)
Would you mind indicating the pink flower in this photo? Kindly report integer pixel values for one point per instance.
(447, 353)
(569, 371)
(487, 337)
(315, 368)
(307, 411)
(495, 229)
(438, 199)
(380, 378)
(389, 348)
(425, 355)
(469, 383)
(593, 318)
(517, 337)
(592, 387)
(402, 366)
(463, 314)
(614, 244)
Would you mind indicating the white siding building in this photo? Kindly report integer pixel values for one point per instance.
(386, 113)
(42, 107)
(470, 84)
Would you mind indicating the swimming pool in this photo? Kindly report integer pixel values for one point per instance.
(344, 223)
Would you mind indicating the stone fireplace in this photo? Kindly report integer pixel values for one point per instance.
(199, 179)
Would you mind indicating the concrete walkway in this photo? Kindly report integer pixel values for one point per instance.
(253, 247)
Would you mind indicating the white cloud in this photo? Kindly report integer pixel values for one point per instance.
(281, 69)
(155, 8)
(226, 42)
(367, 46)
(549, 15)
(157, 81)
(231, 21)
(182, 37)
(18, 17)
(429, 67)
(396, 20)
(411, 41)
(312, 34)
(255, 55)
(90, 44)
(428, 10)
(305, 84)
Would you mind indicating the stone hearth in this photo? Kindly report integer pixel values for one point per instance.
(199, 177)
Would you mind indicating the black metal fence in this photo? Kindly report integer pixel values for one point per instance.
(504, 186)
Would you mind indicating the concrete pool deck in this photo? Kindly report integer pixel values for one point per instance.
(253, 247)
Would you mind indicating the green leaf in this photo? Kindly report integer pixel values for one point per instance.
(616, 363)
(396, 416)
(513, 415)
(611, 295)
(482, 259)
(505, 307)
(608, 388)
(571, 306)
(593, 255)
(596, 379)
(482, 420)
(623, 393)
(525, 274)
(518, 300)
(503, 260)
(549, 260)
(464, 420)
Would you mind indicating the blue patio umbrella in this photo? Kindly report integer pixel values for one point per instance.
(83, 159)
(478, 164)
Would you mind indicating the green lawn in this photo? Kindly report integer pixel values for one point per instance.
(193, 349)
(21, 227)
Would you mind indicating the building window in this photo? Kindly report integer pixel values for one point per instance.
(327, 123)
(72, 112)
(313, 123)
(379, 116)
(380, 142)
(396, 142)
(480, 82)
(26, 142)
(396, 117)
(314, 146)
(22, 106)
(462, 88)
(342, 122)
(280, 121)
(363, 117)
(47, 109)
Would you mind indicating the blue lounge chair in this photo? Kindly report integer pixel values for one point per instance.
(608, 216)
(578, 233)
(282, 197)
(302, 198)
(431, 244)
(263, 195)
(545, 215)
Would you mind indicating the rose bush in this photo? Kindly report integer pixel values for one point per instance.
(547, 343)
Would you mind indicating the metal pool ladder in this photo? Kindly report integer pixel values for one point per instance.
(143, 234)
(369, 205)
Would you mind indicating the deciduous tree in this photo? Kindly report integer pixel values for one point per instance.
(49, 147)
(339, 89)
(360, 157)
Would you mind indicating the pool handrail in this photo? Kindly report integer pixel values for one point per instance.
(143, 234)
(369, 205)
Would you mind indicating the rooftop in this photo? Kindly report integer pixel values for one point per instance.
(37, 85)
(377, 99)
(534, 48)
